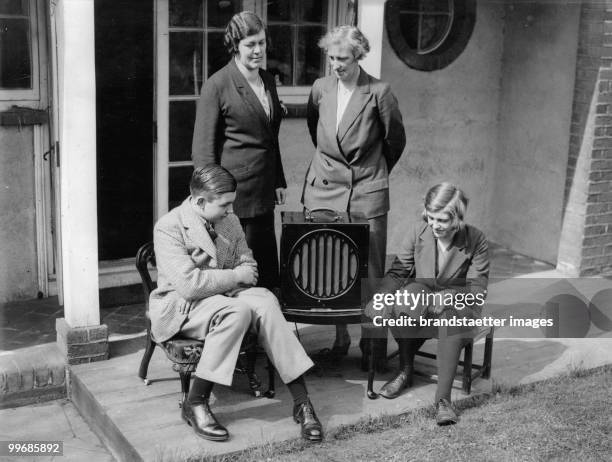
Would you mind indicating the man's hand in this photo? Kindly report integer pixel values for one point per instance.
(281, 195)
(185, 306)
(247, 274)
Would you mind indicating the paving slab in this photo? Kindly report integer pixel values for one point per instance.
(53, 421)
(145, 420)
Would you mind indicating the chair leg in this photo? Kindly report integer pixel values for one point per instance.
(251, 359)
(371, 370)
(146, 358)
(185, 382)
(488, 356)
(271, 385)
(467, 367)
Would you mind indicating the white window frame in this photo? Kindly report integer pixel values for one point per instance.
(31, 94)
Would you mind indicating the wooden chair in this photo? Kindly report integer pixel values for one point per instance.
(471, 371)
(185, 352)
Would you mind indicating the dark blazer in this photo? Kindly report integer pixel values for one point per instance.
(350, 170)
(466, 268)
(232, 129)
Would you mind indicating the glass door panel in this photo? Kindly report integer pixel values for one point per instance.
(189, 49)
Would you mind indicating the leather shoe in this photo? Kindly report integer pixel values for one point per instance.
(203, 421)
(446, 414)
(393, 388)
(304, 414)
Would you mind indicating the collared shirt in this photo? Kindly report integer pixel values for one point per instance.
(260, 91)
(441, 255)
(209, 226)
(211, 230)
(344, 96)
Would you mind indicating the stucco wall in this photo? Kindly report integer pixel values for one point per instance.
(18, 278)
(450, 117)
(495, 121)
(539, 65)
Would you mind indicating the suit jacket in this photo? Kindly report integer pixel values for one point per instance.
(233, 130)
(466, 268)
(191, 266)
(350, 169)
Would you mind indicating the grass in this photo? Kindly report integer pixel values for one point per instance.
(565, 418)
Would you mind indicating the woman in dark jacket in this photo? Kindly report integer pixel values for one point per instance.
(442, 271)
(237, 123)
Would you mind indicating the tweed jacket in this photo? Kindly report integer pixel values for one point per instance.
(466, 268)
(191, 266)
(233, 130)
(350, 169)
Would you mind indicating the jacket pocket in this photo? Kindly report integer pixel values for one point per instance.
(376, 185)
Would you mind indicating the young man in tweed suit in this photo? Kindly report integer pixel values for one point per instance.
(206, 278)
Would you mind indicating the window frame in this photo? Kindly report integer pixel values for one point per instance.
(30, 94)
(298, 94)
(446, 52)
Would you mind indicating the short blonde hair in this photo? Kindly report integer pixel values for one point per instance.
(446, 198)
(349, 36)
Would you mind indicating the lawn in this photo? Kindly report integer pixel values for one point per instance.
(566, 418)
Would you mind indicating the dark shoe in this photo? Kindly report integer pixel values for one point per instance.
(446, 414)
(304, 414)
(203, 421)
(393, 388)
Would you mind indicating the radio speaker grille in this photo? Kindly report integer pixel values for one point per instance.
(322, 264)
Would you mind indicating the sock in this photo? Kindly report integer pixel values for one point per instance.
(298, 391)
(199, 391)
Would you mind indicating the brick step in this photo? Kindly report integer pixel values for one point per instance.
(30, 375)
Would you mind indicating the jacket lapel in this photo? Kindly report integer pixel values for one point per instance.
(425, 254)
(223, 244)
(329, 113)
(456, 257)
(195, 230)
(328, 118)
(358, 100)
(248, 96)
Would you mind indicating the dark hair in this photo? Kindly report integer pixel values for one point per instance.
(211, 181)
(242, 25)
(447, 198)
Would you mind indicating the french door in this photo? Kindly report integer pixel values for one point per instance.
(189, 49)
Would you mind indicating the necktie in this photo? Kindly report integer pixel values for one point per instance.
(211, 231)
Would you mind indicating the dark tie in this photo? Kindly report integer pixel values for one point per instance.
(211, 231)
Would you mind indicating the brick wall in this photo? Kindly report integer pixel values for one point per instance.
(586, 241)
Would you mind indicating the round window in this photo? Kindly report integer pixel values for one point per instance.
(429, 34)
